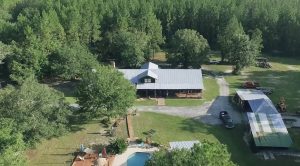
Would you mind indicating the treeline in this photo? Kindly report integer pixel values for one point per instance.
(129, 31)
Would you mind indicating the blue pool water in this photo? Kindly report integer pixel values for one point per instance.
(138, 159)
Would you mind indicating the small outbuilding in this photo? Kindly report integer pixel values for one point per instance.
(268, 130)
(182, 144)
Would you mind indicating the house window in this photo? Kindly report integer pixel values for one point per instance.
(147, 80)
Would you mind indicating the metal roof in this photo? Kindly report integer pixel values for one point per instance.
(262, 106)
(148, 73)
(166, 78)
(149, 65)
(269, 130)
(251, 94)
(182, 144)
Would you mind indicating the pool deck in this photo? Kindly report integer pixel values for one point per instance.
(121, 160)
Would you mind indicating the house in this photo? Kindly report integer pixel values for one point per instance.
(151, 81)
(265, 124)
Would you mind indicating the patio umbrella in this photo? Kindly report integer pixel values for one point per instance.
(104, 154)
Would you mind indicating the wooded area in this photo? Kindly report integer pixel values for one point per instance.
(68, 39)
(129, 31)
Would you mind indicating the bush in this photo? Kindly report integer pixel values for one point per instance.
(117, 146)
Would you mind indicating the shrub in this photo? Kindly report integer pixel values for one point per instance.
(117, 146)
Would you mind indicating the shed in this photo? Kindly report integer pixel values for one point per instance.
(262, 106)
(268, 130)
(251, 94)
(182, 144)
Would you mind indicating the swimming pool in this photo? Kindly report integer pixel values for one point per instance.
(138, 159)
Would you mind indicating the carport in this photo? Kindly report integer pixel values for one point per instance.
(268, 130)
(262, 106)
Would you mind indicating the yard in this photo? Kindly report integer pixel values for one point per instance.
(171, 128)
(59, 151)
(284, 77)
(211, 92)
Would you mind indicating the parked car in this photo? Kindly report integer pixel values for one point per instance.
(226, 119)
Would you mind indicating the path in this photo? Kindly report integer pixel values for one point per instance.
(207, 113)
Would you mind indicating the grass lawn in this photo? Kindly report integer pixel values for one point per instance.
(70, 100)
(171, 128)
(284, 77)
(59, 151)
(218, 69)
(211, 92)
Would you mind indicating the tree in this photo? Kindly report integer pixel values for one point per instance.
(37, 110)
(71, 61)
(128, 48)
(242, 52)
(225, 37)
(11, 144)
(189, 48)
(4, 51)
(104, 92)
(27, 58)
(206, 153)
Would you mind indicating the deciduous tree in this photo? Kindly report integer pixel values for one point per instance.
(189, 48)
(104, 92)
(37, 110)
(206, 153)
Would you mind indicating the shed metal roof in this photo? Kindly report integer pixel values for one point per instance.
(251, 94)
(167, 78)
(182, 144)
(262, 106)
(269, 130)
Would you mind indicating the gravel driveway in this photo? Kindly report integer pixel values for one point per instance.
(206, 113)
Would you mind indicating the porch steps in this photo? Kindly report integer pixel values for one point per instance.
(161, 102)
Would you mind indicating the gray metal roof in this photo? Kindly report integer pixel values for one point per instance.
(182, 144)
(166, 78)
(262, 106)
(251, 94)
(149, 65)
(148, 73)
(269, 130)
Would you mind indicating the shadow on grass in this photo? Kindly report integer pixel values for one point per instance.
(193, 126)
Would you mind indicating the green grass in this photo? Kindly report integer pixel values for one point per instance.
(70, 100)
(171, 128)
(284, 77)
(211, 92)
(59, 151)
(218, 68)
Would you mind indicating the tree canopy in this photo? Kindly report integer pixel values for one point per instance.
(37, 110)
(70, 62)
(11, 144)
(104, 92)
(206, 153)
(237, 47)
(189, 48)
(130, 31)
